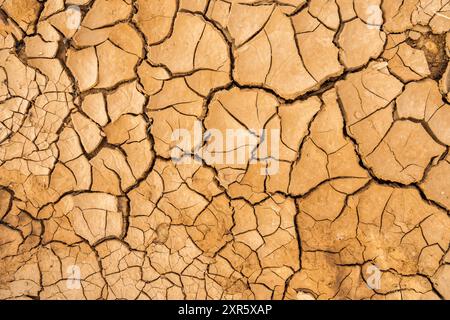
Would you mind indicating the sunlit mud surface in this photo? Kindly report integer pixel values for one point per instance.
(100, 200)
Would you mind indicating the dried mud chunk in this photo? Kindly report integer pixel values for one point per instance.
(235, 270)
(9, 33)
(245, 21)
(321, 278)
(122, 270)
(152, 78)
(409, 63)
(74, 175)
(324, 204)
(436, 184)
(90, 134)
(130, 132)
(114, 65)
(275, 220)
(229, 109)
(123, 35)
(143, 230)
(84, 66)
(210, 230)
(73, 171)
(435, 14)
(387, 211)
(144, 198)
(23, 228)
(126, 99)
(178, 249)
(165, 125)
(311, 36)
(295, 119)
(36, 47)
(435, 52)
(365, 92)
(271, 57)
(205, 81)
(242, 20)
(346, 9)
(398, 14)
(326, 12)
(441, 281)
(12, 116)
(182, 205)
(48, 32)
(198, 47)
(51, 7)
(445, 82)
(10, 241)
(219, 11)
(257, 50)
(127, 128)
(19, 276)
(107, 12)
(155, 18)
(231, 103)
(144, 216)
(423, 101)
(386, 226)
(194, 5)
(59, 262)
(368, 44)
(419, 100)
(94, 106)
(323, 151)
(249, 184)
(202, 180)
(404, 153)
(23, 12)
(178, 52)
(89, 216)
(111, 172)
(66, 22)
(21, 79)
(98, 216)
(69, 145)
(58, 78)
(405, 146)
(5, 202)
(177, 95)
(440, 124)
(369, 11)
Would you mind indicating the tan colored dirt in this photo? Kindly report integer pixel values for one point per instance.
(94, 204)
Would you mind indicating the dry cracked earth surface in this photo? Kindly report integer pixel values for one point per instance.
(94, 206)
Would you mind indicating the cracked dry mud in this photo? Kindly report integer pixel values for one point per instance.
(358, 90)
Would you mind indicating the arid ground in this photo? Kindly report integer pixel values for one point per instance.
(224, 149)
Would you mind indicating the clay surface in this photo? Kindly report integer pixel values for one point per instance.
(119, 179)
